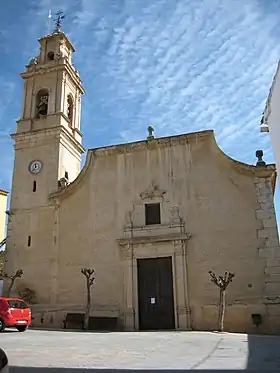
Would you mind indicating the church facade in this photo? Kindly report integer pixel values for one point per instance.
(151, 217)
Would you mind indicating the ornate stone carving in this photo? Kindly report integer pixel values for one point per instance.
(126, 251)
(57, 56)
(63, 183)
(42, 107)
(175, 215)
(152, 191)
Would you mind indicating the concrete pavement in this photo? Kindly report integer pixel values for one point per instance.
(51, 351)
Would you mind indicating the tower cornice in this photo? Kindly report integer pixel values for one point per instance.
(49, 133)
(46, 68)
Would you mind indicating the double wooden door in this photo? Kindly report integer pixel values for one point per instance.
(155, 294)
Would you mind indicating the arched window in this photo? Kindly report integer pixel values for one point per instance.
(50, 56)
(42, 100)
(70, 107)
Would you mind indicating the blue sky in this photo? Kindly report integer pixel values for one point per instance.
(180, 65)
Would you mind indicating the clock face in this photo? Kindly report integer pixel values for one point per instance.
(35, 167)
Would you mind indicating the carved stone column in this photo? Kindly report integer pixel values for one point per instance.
(182, 307)
(128, 268)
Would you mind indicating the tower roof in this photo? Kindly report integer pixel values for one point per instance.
(58, 35)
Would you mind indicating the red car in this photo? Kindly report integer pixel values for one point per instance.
(14, 312)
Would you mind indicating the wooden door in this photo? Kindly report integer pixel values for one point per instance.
(155, 294)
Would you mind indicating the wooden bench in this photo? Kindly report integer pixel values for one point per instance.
(105, 323)
(76, 321)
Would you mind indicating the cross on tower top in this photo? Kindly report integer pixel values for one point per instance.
(58, 20)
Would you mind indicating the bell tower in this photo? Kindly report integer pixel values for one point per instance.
(48, 140)
(48, 150)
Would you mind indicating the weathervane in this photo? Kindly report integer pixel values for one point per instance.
(59, 17)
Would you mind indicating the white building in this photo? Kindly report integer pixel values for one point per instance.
(271, 117)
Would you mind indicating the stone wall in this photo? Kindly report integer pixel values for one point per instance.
(225, 207)
(269, 251)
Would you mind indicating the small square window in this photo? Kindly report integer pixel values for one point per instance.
(152, 213)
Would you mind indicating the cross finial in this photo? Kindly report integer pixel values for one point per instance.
(57, 21)
(150, 133)
(259, 155)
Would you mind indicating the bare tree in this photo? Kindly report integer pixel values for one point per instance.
(89, 274)
(12, 279)
(222, 282)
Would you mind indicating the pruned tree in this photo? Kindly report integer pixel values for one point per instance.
(222, 282)
(12, 279)
(89, 274)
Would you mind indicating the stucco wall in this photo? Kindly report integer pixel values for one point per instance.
(217, 202)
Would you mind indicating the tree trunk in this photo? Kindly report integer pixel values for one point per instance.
(86, 319)
(222, 309)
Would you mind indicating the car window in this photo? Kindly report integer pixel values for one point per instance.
(17, 304)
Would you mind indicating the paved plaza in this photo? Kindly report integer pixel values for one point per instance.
(53, 351)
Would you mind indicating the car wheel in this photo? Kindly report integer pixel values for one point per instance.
(2, 325)
(21, 328)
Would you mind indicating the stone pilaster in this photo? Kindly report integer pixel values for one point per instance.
(129, 279)
(180, 281)
(268, 248)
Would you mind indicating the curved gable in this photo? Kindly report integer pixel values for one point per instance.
(269, 171)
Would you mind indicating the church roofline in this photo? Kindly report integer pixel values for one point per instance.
(160, 141)
(267, 171)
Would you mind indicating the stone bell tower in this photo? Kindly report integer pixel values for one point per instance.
(48, 138)
(48, 149)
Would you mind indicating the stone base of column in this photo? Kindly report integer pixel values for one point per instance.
(183, 314)
(129, 320)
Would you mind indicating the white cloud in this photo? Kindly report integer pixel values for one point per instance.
(204, 65)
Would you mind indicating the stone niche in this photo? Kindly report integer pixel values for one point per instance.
(170, 220)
